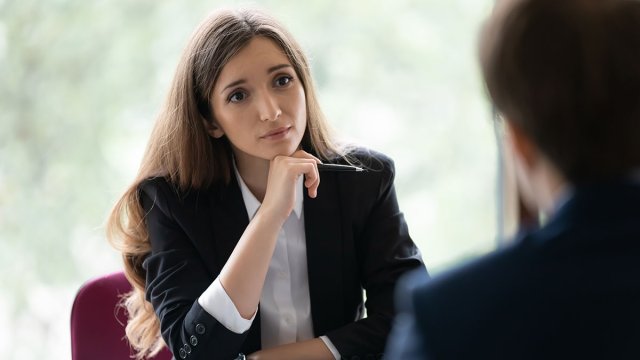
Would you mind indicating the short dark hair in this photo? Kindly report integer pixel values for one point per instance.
(567, 72)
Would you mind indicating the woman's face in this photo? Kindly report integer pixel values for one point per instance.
(259, 103)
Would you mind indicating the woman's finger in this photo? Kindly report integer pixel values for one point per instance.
(312, 179)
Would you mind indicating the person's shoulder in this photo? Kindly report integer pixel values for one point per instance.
(152, 186)
(159, 188)
(156, 191)
(377, 177)
(367, 158)
(482, 279)
(168, 196)
(153, 182)
(378, 167)
(461, 310)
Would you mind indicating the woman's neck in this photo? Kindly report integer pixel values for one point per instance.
(254, 173)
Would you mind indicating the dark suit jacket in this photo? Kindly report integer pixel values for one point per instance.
(570, 290)
(356, 239)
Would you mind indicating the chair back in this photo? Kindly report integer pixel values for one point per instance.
(98, 321)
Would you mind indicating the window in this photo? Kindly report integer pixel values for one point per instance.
(82, 82)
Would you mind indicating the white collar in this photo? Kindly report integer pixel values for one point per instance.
(252, 204)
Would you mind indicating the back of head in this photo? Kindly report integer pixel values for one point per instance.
(567, 73)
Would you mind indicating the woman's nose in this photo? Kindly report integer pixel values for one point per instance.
(268, 108)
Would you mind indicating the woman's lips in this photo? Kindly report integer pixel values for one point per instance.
(277, 134)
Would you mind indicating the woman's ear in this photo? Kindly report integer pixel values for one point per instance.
(213, 129)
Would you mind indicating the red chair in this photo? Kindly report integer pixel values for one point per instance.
(98, 323)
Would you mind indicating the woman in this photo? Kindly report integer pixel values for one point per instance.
(232, 238)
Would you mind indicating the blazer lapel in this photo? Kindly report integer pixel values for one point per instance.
(228, 220)
(322, 218)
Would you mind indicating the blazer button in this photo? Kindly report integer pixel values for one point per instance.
(187, 348)
(200, 329)
(193, 340)
(182, 353)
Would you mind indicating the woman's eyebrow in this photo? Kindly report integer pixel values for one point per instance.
(277, 67)
(235, 83)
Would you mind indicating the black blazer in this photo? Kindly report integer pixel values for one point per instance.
(570, 290)
(356, 238)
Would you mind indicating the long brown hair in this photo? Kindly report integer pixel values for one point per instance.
(181, 150)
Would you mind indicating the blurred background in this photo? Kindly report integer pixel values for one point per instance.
(81, 82)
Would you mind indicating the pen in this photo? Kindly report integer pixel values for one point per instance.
(338, 167)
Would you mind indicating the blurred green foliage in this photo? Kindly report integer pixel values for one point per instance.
(81, 81)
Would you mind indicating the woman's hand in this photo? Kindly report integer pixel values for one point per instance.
(256, 245)
(284, 172)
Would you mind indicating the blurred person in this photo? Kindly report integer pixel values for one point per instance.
(565, 77)
(233, 239)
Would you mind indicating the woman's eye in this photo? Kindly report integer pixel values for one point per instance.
(237, 97)
(283, 80)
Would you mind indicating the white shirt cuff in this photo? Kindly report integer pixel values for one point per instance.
(218, 304)
(332, 348)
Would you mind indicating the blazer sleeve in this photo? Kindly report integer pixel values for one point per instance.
(385, 252)
(176, 277)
